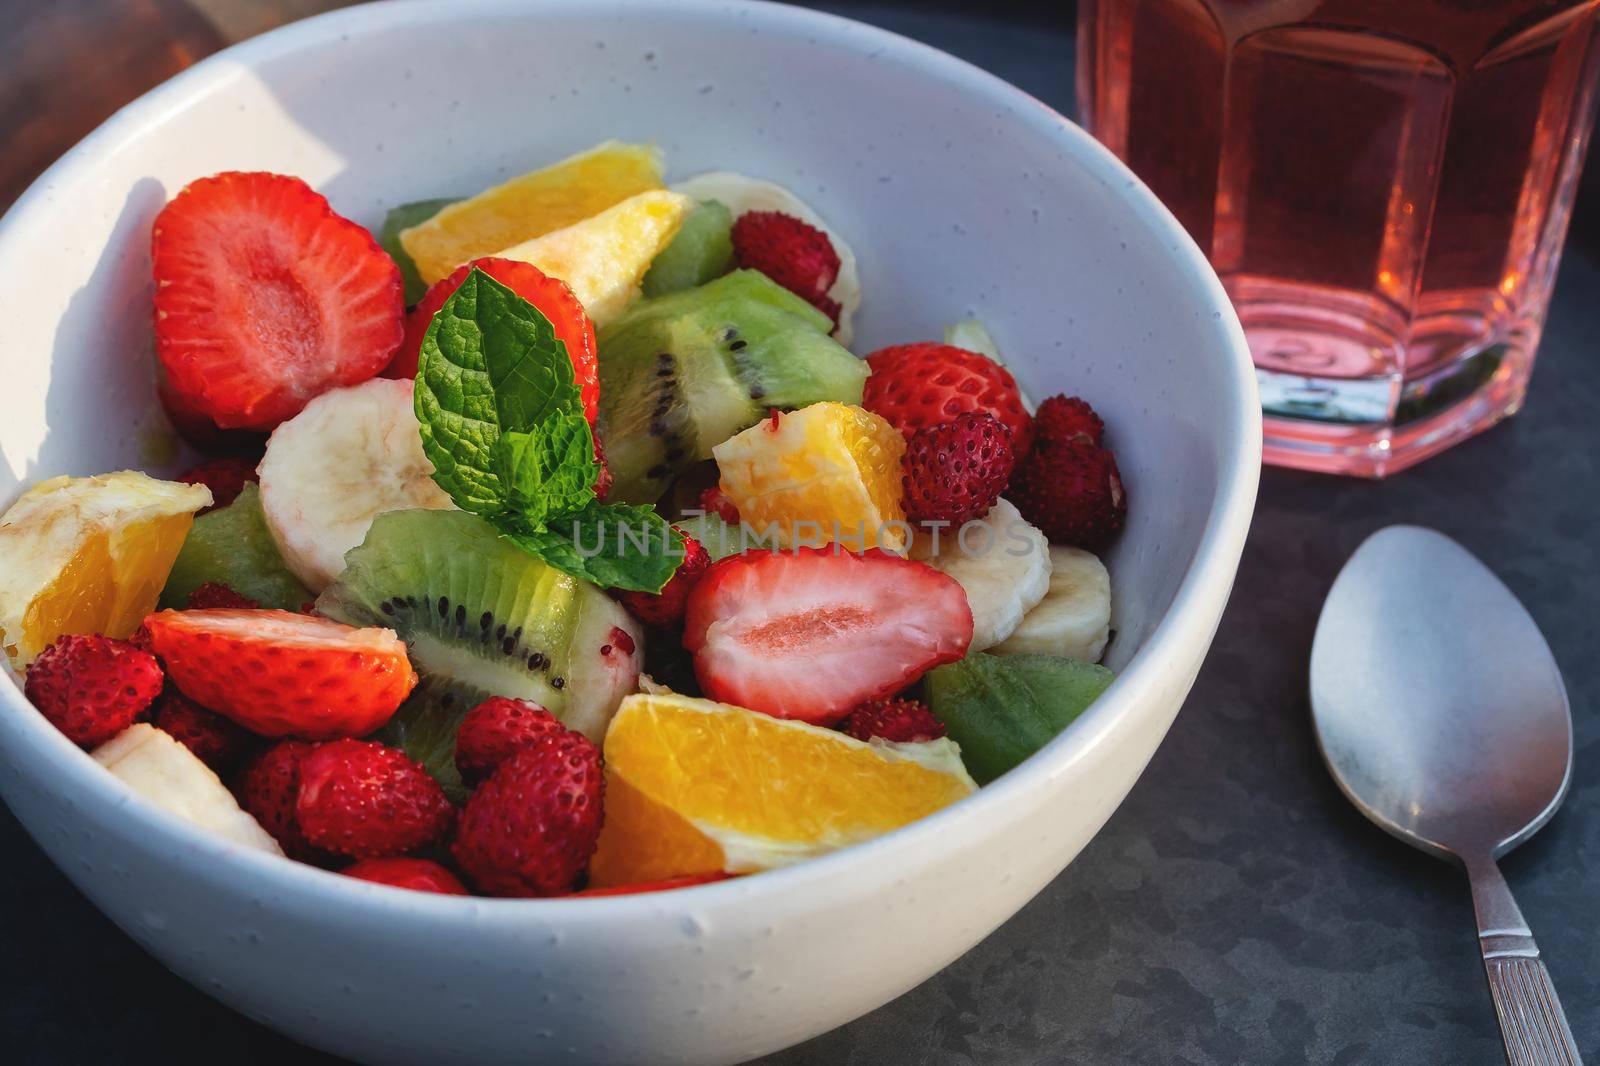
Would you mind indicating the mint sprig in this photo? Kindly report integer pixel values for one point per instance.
(503, 424)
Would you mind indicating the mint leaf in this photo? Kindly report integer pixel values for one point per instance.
(402, 218)
(549, 471)
(502, 422)
(614, 545)
(490, 363)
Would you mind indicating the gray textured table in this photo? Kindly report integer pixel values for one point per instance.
(1235, 909)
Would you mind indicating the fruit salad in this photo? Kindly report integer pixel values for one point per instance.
(552, 540)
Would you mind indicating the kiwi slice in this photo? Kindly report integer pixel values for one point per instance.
(232, 545)
(482, 618)
(682, 373)
(701, 250)
(1003, 708)
(722, 538)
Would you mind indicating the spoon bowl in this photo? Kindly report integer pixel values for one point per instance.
(1441, 715)
(1438, 706)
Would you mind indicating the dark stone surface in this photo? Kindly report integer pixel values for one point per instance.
(1235, 909)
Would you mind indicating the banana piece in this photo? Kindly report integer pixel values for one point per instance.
(741, 194)
(169, 775)
(352, 454)
(1074, 618)
(1001, 561)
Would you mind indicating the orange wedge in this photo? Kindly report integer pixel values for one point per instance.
(825, 473)
(696, 787)
(602, 259)
(531, 205)
(88, 555)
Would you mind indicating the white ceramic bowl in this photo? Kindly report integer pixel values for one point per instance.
(960, 195)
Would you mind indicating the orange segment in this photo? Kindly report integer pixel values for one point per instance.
(88, 555)
(828, 472)
(531, 205)
(695, 787)
(603, 258)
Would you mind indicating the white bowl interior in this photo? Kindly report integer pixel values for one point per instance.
(960, 196)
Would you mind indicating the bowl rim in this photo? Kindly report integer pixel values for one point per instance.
(1189, 619)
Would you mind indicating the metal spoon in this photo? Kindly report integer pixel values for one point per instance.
(1441, 714)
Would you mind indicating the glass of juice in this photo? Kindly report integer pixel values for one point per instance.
(1383, 186)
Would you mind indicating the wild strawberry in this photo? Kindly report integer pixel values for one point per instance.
(919, 385)
(551, 296)
(214, 740)
(226, 478)
(365, 800)
(664, 609)
(759, 623)
(1063, 418)
(796, 255)
(215, 594)
(897, 720)
(665, 885)
(1071, 490)
(714, 501)
(265, 298)
(953, 472)
(419, 875)
(495, 730)
(92, 687)
(530, 828)
(283, 674)
(268, 789)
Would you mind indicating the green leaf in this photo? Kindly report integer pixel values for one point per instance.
(490, 363)
(614, 545)
(232, 545)
(549, 471)
(402, 218)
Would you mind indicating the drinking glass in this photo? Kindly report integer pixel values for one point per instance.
(1383, 186)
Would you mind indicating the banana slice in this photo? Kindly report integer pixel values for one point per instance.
(1001, 561)
(331, 469)
(1074, 618)
(169, 775)
(741, 194)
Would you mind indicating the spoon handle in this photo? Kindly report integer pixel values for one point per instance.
(1531, 1020)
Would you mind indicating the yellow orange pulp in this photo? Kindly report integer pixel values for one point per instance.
(695, 787)
(828, 472)
(531, 205)
(88, 555)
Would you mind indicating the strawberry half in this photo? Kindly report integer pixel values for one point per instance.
(551, 296)
(283, 674)
(814, 632)
(914, 386)
(266, 298)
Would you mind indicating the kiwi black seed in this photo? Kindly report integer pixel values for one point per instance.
(481, 618)
(680, 374)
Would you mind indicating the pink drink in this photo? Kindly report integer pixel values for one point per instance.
(1383, 186)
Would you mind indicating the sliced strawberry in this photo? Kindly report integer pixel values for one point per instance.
(550, 295)
(265, 298)
(282, 674)
(915, 386)
(814, 632)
